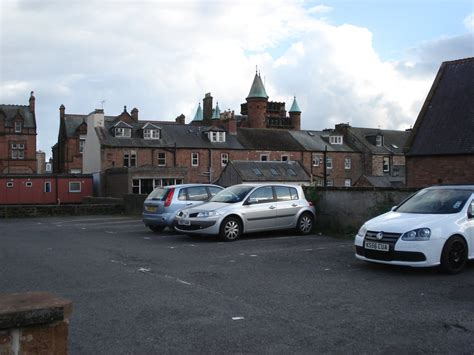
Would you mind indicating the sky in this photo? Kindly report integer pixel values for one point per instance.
(369, 63)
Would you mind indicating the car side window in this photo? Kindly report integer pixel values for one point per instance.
(471, 209)
(182, 195)
(282, 193)
(262, 195)
(214, 190)
(197, 193)
(294, 193)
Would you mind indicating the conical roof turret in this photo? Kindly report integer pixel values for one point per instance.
(294, 106)
(257, 91)
(216, 114)
(198, 116)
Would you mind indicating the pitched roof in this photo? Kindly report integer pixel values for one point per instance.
(268, 139)
(445, 124)
(317, 141)
(257, 90)
(294, 106)
(393, 140)
(10, 111)
(250, 171)
(198, 116)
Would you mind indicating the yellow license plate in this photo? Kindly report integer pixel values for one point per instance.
(150, 208)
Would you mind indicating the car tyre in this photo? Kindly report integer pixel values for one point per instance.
(454, 255)
(156, 229)
(230, 230)
(305, 223)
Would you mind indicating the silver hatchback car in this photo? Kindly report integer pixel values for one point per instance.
(162, 204)
(249, 208)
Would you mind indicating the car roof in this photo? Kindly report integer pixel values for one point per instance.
(267, 184)
(452, 187)
(188, 185)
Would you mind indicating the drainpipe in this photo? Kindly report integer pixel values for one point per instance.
(210, 165)
(325, 165)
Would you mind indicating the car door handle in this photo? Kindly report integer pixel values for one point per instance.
(189, 204)
(294, 205)
(272, 207)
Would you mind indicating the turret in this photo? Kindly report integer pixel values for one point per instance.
(257, 100)
(295, 115)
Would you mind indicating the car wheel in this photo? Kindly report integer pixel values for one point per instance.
(156, 229)
(305, 224)
(454, 255)
(231, 229)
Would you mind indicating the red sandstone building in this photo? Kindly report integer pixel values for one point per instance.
(440, 149)
(18, 138)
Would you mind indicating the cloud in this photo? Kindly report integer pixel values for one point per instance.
(162, 56)
(469, 22)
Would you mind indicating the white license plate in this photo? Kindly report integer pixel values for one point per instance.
(184, 222)
(377, 246)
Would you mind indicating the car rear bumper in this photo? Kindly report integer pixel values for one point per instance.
(153, 219)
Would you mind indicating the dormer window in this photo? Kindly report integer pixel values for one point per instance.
(335, 139)
(123, 132)
(379, 140)
(215, 136)
(151, 134)
(17, 127)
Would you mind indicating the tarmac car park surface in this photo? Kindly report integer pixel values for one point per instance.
(135, 291)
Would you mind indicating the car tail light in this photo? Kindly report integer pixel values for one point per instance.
(169, 197)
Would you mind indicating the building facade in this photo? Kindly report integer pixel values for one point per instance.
(18, 138)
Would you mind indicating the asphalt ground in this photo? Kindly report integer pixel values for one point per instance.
(135, 291)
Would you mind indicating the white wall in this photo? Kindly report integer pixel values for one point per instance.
(91, 162)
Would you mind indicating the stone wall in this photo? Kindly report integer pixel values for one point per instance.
(346, 209)
(134, 203)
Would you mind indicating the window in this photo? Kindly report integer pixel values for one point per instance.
(221, 137)
(197, 193)
(136, 186)
(386, 164)
(274, 172)
(10, 184)
(29, 184)
(75, 171)
(161, 159)
(285, 158)
(216, 136)
(263, 157)
(18, 150)
(317, 159)
(74, 186)
(130, 160)
(335, 139)
(347, 182)
(291, 172)
(47, 186)
(379, 140)
(82, 143)
(123, 132)
(17, 127)
(286, 193)
(329, 182)
(195, 159)
(329, 163)
(347, 163)
(257, 171)
(214, 190)
(141, 186)
(262, 195)
(151, 134)
(224, 159)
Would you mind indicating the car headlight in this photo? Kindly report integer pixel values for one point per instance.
(207, 214)
(417, 234)
(362, 231)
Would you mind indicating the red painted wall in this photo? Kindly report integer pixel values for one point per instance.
(20, 193)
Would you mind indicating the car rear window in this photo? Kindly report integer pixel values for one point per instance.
(158, 194)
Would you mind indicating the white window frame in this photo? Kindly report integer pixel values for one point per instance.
(121, 132)
(221, 136)
(194, 159)
(47, 183)
(29, 184)
(348, 182)
(18, 127)
(18, 151)
(328, 163)
(224, 159)
(347, 163)
(379, 140)
(82, 144)
(163, 159)
(335, 140)
(386, 170)
(75, 190)
(329, 182)
(10, 184)
(151, 134)
(317, 159)
(266, 156)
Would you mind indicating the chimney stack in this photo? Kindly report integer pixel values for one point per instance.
(180, 119)
(32, 102)
(62, 111)
(134, 113)
(207, 108)
(232, 123)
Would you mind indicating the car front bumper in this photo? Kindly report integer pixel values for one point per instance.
(197, 226)
(408, 253)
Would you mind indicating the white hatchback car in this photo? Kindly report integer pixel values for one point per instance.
(433, 227)
(249, 208)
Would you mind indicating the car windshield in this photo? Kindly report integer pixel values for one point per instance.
(436, 201)
(232, 194)
(158, 194)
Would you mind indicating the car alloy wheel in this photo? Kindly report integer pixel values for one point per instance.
(230, 229)
(305, 223)
(454, 255)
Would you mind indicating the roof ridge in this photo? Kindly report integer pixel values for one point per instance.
(458, 61)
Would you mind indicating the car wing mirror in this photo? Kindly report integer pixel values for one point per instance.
(251, 201)
(470, 210)
(393, 208)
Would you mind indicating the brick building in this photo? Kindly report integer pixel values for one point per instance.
(440, 149)
(18, 138)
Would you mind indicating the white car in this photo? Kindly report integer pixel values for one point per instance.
(433, 227)
(249, 208)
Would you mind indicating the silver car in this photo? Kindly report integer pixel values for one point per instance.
(249, 208)
(162, 204)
